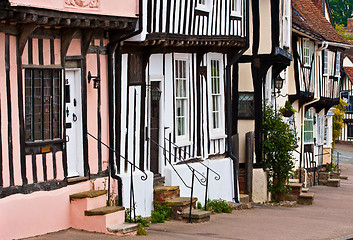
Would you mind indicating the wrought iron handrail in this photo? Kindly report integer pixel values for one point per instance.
(133, 166)
(217, 177)
(170, 162)
(143, 177)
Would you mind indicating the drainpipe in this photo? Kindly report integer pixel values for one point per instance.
(228, 107)
(323, 47)
(111, 47)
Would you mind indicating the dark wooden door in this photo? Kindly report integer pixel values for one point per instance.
(154, 131)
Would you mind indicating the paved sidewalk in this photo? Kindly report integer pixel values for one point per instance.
(330, 217)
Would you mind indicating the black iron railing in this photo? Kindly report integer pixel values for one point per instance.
(204, 179)
(113, 174)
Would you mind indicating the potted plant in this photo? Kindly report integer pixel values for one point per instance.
(287, 110)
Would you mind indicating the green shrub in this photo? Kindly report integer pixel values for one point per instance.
(199, 205)
(141, 231)
(161, 213)
(144, 222)
(219, 206)
(278, 143)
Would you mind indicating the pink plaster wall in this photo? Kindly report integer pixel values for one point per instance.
(35, 51)
(59, 166)
(74, 48)
(105, 108)
(3, 98)
(46, 51)
(25, 54)
(57, 49)
(106, 7)
(39, 162)
(29, 172)
(37, 213)
(15, 112)
(92, 121)
(50, 172)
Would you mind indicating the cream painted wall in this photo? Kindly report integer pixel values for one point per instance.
(245, 78)
(244, 126)
(347, 62)
(265, 29)
(106, 7)
(291, 79)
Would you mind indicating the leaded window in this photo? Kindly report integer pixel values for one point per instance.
(306, 54)
(181, 97)
(309, 126)
(42, 104)
(216, 93)
(246, 105)
(350, 131)
(325, 58)
(338, 64)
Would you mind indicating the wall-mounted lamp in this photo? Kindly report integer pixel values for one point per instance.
(279, 83)
(96, 80)
(156, 94)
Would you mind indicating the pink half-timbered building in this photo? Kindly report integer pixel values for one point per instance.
(55, 66)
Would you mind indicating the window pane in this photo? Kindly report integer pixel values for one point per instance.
(246, 105)
(56, 104)
(28, 104)
(47, 100)
(37, 105)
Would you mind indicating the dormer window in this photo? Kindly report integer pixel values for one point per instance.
(306, 54)
(338, 64)
(203, 5)
(235, 7)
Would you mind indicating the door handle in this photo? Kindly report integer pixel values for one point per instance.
(67, 138)
(74, 117)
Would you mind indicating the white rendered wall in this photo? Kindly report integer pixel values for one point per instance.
(223, 188)
(143, 192)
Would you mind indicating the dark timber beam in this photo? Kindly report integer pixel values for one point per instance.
(24, 32)
(67, 35)
(87, 36)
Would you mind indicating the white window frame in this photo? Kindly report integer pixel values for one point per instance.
(203, 5)
(338, 64)
(306, 53)
(181, 139)
(238, 8)
(218, 132)
(325, 62)
(309, 118)
(287, 30)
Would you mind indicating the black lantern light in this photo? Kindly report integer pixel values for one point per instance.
(156, 94)
(96, 80)
(279, 83)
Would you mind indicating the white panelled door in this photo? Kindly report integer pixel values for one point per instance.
(73, 113)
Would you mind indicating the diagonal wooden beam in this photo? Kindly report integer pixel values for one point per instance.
(24, 32)
(66, 36)
(87, 36)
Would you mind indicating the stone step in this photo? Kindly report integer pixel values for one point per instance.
(306, 198)
(344, 177)
(87, 200)
(88, 194)
(239, 206)
(243, 198)
(124, 228)
(294, 180)
(296, 189)
(99, 219)
(158, 180)
(162, 193)
(178, 205)
(333, 182)
(103, 210)
(323, 176)
(305, 190)
(197, 215)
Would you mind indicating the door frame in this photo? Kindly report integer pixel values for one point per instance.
(80, 90)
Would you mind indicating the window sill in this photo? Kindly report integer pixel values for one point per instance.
(204, 9)
(45, 142)
(183, 143)
(217, 136)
